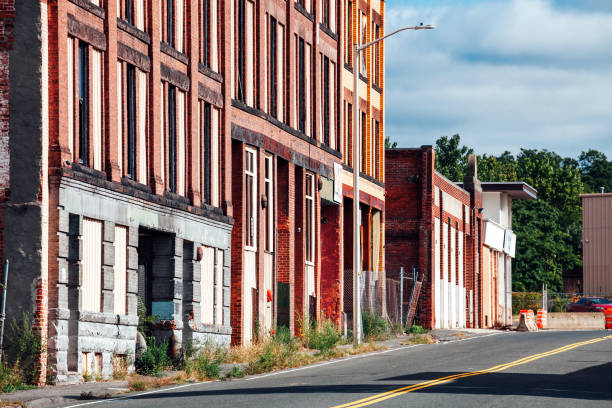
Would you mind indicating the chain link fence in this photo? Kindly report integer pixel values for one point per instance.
(553, 302)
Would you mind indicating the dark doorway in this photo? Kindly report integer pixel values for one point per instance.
(155, 268)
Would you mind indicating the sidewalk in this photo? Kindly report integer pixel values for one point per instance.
(53, 396)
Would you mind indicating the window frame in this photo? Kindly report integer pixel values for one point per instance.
(83, 102)
(309, 215)
(250, 172)
(269, 210)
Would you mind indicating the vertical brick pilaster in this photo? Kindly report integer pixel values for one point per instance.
(155, 135)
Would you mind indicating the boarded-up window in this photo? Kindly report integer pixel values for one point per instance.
(207, 279)
(219, 287)
(91, 284)
(120, 270)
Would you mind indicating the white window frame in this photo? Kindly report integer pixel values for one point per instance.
(309, 250)
(120, 271)
(269, 184)
(249, 151)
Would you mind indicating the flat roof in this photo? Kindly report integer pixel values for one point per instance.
(518, 190)
(595, 195)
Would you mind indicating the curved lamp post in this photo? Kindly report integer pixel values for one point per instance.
(356, 164)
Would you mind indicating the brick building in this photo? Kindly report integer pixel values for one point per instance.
(363, 21)
(458, 236)
(188, 153)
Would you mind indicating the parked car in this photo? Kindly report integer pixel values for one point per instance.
(590, 304)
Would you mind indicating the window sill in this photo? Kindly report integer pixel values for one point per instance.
(348, 67)
(132, 30)
(89, 6)
(81, 168)
(364, 78)
(376, 88)
(211, 209)
(176, 197)
(328, 31)
(204, 70)
(303, 11)
(126, 181)
(171, 51)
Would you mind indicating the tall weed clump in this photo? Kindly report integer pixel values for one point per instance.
(374, 326)
(154, 359)
(322, 336)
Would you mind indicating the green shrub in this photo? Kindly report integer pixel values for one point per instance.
(322, 336)
(154, 359)
(145, 322)
(27, 343)
(374, 326)
(283, 334)
(11, 378)
(206, 362)
(416, 329)
(235, 372)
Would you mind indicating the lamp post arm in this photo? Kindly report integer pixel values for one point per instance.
(366, 45)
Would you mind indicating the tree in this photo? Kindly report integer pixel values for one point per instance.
(451, 158)
(389, 144)
(596, 171)
(543, 249)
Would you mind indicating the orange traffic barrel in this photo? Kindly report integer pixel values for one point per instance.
(542, 318)
(608, 319)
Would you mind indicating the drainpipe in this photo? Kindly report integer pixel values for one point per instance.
(3, 306)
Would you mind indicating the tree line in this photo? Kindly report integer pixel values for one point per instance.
(549, 229)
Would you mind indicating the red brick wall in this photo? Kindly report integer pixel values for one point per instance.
(410, 182)
(237, 242)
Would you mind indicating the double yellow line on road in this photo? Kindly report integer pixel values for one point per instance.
(438, 381)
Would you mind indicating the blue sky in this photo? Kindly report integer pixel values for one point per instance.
(504, 74)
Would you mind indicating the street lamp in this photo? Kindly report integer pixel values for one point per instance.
(356, 163)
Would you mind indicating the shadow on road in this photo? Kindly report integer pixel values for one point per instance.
(592, 383)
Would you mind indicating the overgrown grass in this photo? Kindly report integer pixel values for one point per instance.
(375, 327)
(27, 345)
(323, 336)
(155, 359)
(416, 329)
(143, 383)
(205, 363)
(11, 378)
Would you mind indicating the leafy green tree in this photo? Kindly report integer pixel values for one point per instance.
(452, 157)
(543, 249)
(596, 171)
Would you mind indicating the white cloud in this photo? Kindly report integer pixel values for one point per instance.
(503, 74)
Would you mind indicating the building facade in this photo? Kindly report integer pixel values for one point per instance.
(596, 232)
(183, 159)
(363, 21)
(457, 235)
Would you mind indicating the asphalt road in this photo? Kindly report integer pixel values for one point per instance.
(573, 371)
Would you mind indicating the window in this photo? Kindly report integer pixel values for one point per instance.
(326, 12)
(120, 271)
(348, 129)
(209, 52)
(91, 281)
(364, 143)
(269, 210)
(244, 67)
(309, 214)
(131, 121)
(250, 202)
(348, 23)
(219, 287)
(173, 23)
(85, 105)
(209, 139)
(207, 285)
(325, 92)
(303, 84)
(376, 137)
(175, 139)
(273, 66)
(305, 4)
(132, 11)
(364, 39)
(376, 62)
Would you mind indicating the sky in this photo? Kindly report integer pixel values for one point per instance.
(504, 74)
